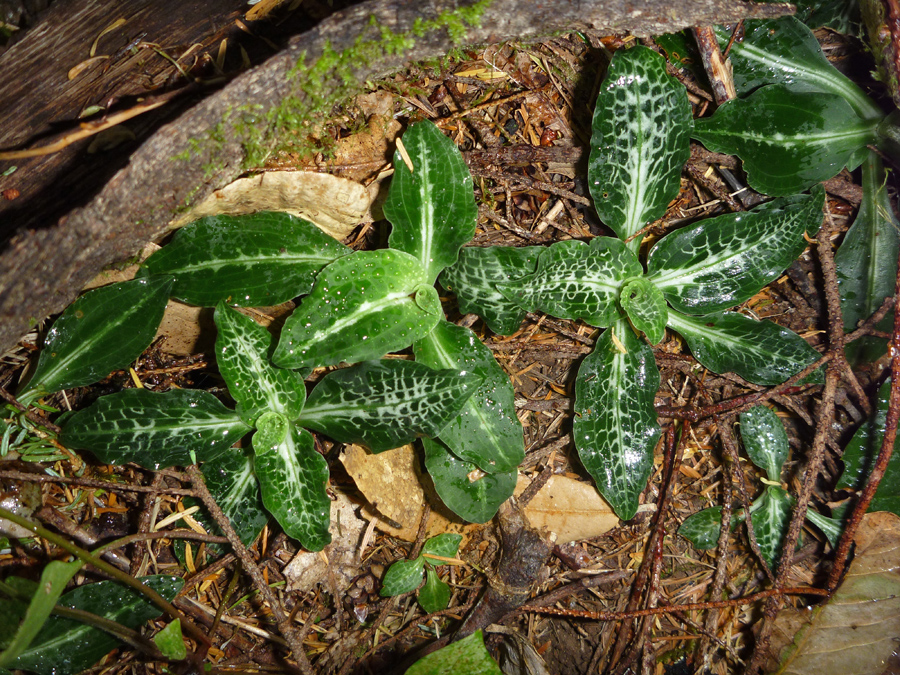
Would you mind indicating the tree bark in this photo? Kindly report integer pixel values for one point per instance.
(44, 266)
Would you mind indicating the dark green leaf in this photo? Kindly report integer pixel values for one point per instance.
(486, 431)
(362, 307)
(231, 478)
(445, 545)
(154, 429)
(867, 260)
(467, 656)
(292, 477)
(254, 260)
(66, 646)
(646, 308)
(402, 577)
(53, 581)
(432, 209)
(726, 260)
(170, 641)
(475, 278)
(761, 352)
(788, 140)
(862, 452)
(242, 354)
(575, 280)
(640, 141)
(104, 330)
(784, 51)
(435, 594)
(472, 497)
(839, 15)
(702, 529)
(615, 427)
(765, 440)
(389, 403)
(770, 523)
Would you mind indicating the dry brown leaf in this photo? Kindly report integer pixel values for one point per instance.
(857, 630)
(336, 205)
(569, 508)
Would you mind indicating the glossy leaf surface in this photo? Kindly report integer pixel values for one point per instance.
(170, 641)
(361, 307)
(254, 260)
(468, 655)
(431, 208)
(445, 545)
(646, 308)
(574, 280)
(640, 141)
(154, 429)
(726, 260)
(65, 646)
(765, 440)
(615, 427)
(832, 528)
(784, 51)
(231, 479)
(486, 431)
(770, 523)
(435, 594)
(866, 262)
(54, 578)
(385, 404)
(292, 477)
(402, 577)
(761, 352)
(788, 140)
(242, 354)
(477, 275)
(102, 331)
(861, 454)
(473, 497)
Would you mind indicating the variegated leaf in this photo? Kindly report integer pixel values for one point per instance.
(445, 545)
(475, 278)
(761, 352)
(293, 477)
(486, 431)
(432, 207)
(726, 260)
(575, 280)
(385, 404)
(770, 522)
(788, 140)
(253, 260)
(784, 51)
(404, 576)
(362, 307)
(103, 330)
(640, 142)
(231, 479)
(866, 262)
(615, 427)
(646, 308)
(765, 440)
(472, 495)
(176, 427)
(703, 528)
(242, 354)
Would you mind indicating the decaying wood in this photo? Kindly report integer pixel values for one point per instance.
(45, 265)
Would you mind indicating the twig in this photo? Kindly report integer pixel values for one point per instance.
(717, 69)
(92, 483)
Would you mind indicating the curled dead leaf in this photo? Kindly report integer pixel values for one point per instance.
(570, 509)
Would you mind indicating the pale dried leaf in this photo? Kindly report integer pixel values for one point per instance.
(569, 508)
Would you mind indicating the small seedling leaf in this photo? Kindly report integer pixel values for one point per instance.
(465, 656)
(770, 523)
(445, 545)
(170, 641)
(765, 440)
(435, 594)
(402, 577)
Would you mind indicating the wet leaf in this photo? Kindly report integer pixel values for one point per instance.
(575, 280)
(242, 355)
(788, 140)
(486, 430)
(471, 496)
(646, 308)
(475, 278)
(231, 479)
(292, 477)
(761, 352)
(431, 208)
(361, 307)
(102, 331)
(866, 262)
(176, 427)
(465, 656)
(435, 594)
(253, 260)
(770, 522)
(389, 403)
(615, 427)
(640, 142)
(765, 440)
(726, 260)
